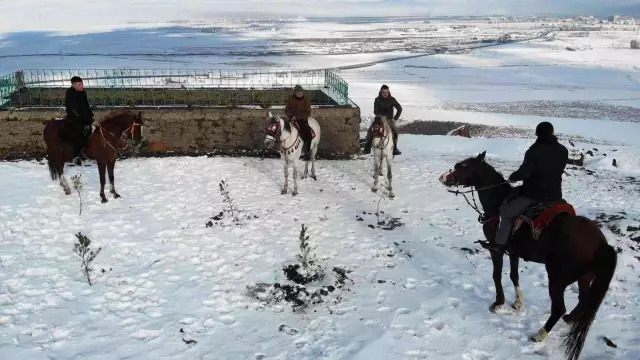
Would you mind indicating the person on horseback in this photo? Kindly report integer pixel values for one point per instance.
(541, 173)
(79, 116)
(383, 106)
(298, 109)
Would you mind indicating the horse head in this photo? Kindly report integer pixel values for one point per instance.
(379, 126)
(125, 124)
(274, 129)
(468, 172)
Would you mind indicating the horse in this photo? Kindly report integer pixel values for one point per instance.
(572, 248)
(287, 141)
(103, 145)
(382, 145)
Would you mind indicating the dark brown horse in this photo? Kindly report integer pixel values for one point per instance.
(571, 247)
(107, 138)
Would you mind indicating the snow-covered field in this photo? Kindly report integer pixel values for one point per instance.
(167, 286)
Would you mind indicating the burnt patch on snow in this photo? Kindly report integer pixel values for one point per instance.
(226, 218)
(293, 273)
(301, 297)
(382, 221)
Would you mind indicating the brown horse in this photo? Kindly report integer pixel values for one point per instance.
(571, 247)
(107, 138)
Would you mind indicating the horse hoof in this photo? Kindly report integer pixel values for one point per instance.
(540, 336)
(517, 306)
(391, 195)
(568, 318)
(495, 307)
(116, 195)
(294, 193)
(283, 192)
(314, 177)
(374, 190)
(104, 200)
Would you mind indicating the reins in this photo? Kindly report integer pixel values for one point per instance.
(474, 206)
(106, 142)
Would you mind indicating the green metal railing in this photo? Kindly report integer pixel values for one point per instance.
(168, 87)
(337, 85)
(8, 86)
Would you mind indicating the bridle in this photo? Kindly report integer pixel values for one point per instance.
(274, 130)
(130, 129)
(481, 216)
(378, 131)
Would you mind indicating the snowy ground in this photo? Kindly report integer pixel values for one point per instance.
(418, 291)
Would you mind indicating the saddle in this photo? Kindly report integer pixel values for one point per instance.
(539, 216)
(295, 123)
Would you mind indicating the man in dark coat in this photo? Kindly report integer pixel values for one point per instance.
(79, 115)
(298, 109)
(383, 106)
(541, 173)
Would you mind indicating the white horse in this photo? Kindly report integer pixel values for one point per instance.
(288, 141)
(382, 146)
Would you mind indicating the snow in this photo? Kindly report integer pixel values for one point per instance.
(166, 271)
(164, 279)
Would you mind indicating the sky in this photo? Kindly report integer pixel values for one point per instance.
(24, 15)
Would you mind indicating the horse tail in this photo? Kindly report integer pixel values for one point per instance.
(605, 265)
(53, 169)
(49, 133)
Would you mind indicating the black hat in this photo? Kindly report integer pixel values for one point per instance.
(544, 129)
(298, 88)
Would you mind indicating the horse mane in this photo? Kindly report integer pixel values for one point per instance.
(493, 173)
(116, 117)
(287, 124)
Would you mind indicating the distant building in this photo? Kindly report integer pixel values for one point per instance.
(614, 18)
(634, 44)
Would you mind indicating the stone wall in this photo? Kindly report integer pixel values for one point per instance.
(109, 97)
(234, 131)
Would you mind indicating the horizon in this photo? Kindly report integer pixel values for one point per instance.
(56, 15)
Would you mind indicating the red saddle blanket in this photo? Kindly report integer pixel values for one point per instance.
(540, 217)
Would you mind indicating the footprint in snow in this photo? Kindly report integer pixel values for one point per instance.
(145, 334)
(454, 302)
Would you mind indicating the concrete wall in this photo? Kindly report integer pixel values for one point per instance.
(234, 131)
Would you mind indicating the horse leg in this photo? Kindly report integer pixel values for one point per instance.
(376, 170)
(496, 259)
(313, 162)
(286, 175)
(295, 176)
(517, 305)
(63, 179)
(556, 292)
(306, 170)
(389, 177)
(584, 283)
(101, 169)
(110, 167)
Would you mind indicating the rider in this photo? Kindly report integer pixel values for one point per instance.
(383, 106)
(298, 109)
(79, 115)
(541, 173)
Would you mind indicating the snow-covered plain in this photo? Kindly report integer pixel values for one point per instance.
(418, 291)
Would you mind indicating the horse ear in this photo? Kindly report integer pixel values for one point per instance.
(482, 155)
(270, 115)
